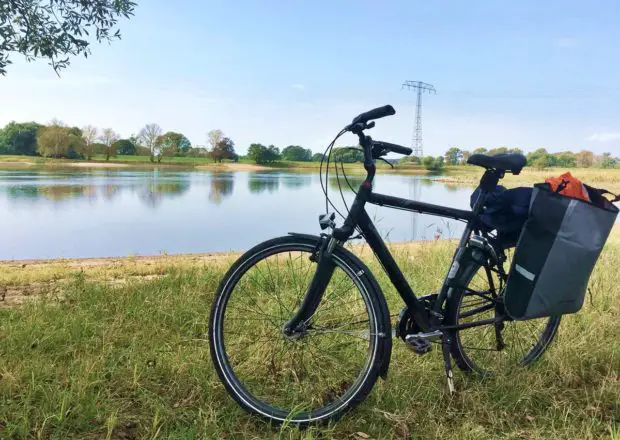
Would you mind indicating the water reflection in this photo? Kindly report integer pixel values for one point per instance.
(138, 211)
(154, 194)
(151, 187)
(221, 187)
(259, 182)
(55, 193)
(355, 181)
(295, 181)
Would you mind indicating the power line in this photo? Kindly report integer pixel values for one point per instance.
(417, 143)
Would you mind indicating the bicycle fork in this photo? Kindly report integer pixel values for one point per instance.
(298, 324)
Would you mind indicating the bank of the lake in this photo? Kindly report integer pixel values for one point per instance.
(116, 348)
(458, 175)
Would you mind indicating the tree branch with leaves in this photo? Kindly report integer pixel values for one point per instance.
(55, 30)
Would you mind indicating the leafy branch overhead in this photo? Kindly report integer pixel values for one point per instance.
(55, 30)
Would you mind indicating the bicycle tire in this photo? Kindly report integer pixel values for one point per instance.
(379, 338)
(544, 332)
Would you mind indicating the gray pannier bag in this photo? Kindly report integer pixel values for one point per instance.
(559, 245)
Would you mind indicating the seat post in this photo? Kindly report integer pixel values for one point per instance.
(488, 183)
(490, 179)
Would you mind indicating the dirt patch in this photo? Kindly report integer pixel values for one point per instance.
(111, 261)
(16, 163)
(233, 167)
(97, 165)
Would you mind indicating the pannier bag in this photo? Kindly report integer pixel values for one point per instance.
(558, 247)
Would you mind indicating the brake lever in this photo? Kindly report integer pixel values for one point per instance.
(361, 126)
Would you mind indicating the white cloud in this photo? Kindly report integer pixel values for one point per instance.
(568, 42)
(298, 86)
(608, 136)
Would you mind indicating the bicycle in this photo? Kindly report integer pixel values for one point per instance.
(309, 332)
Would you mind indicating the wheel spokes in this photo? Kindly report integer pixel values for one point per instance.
(312, 369)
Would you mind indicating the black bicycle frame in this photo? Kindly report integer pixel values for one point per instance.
(376, 243)
(358, 218)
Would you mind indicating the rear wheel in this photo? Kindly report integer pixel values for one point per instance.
(312, 377)
(493, 349)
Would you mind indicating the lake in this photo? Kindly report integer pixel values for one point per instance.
(104, 212)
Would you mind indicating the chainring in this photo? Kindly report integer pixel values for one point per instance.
(405, 324)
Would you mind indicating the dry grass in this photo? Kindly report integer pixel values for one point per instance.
(600, 178)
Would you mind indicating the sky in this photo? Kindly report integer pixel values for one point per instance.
(525, 74)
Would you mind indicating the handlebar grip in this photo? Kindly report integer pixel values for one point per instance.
(376, 113)
(394, 148)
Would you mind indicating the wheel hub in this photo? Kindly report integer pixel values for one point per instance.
(297, 333)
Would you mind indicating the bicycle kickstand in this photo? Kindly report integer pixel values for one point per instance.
(447, 361)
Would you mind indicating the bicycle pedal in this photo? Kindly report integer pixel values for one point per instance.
(418, 345)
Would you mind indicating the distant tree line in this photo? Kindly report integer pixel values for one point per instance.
(539, 158)
(58, 140)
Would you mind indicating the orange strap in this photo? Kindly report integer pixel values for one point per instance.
(568, 185)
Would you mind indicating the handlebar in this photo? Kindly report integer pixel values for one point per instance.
(376, 113)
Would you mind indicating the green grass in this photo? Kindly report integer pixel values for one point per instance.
(116, 349)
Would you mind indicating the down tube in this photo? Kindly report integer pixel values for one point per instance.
(416, 308)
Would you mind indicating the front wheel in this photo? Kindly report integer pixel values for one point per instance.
(306, 378)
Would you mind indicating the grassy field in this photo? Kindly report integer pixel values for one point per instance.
(116, 349)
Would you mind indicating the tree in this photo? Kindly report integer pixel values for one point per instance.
(433, 164)
(257, 153)
(536, 155)
(410, 159)
(515, 151)
(542, 162)
(77, 146)
(453, 156)
(213, 139)
(172, 144)
(109, 138)
(607, 161)
(317, 157)
(585, 158)
(566, 159)
(347, 155)
(498, 150)
(56, 30)
(466, 156)
(19, 138)
(480, 150)
(148, 136)
(261, 154)
(90, 135)
(227, 147)
(124, 147)
(273, 153)
(223, 149)
(297, 154)
(58, 141)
